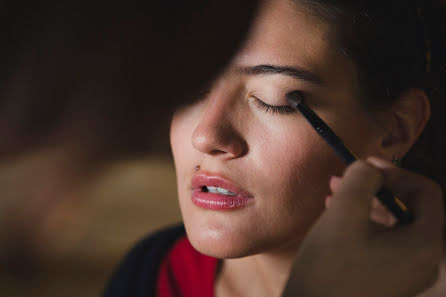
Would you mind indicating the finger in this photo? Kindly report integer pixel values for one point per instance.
(431, 278)
(399, 180)
(380, 215)
(328, 201)
(335, 181)
(424, 197)
(352, 200)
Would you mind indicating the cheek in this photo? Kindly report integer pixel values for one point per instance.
(293, 157)
(358, 130)
(286, 168)
(292, 169)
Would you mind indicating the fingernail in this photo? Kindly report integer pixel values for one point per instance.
(334, 179)
(378, 162)
(328, 200)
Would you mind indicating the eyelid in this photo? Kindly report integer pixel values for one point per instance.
(282, 109)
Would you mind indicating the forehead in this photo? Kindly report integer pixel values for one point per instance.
(286, 34)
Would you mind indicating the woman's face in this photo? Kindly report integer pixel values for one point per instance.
(275, 165)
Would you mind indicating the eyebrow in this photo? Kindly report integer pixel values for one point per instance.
(294, 72)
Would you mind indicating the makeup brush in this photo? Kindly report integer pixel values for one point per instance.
(296, 101)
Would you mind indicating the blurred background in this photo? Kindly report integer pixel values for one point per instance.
(86, 94)
(87, 88)
(72, 247)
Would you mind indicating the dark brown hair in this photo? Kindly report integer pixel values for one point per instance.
(396, 45)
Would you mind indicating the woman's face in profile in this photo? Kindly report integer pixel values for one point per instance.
(274, 165)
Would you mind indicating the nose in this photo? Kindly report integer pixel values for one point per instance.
(216, 134)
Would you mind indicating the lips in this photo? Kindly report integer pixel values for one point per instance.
(212, 191)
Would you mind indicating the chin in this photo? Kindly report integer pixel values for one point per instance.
(222, 243)
(222, 250)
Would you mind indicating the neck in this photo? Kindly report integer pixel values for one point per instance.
(259, 275)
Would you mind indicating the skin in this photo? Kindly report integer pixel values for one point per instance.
(430, 194)
(278, 158)
(373, 260)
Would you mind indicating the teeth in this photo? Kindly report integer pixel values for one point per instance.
(218, 190)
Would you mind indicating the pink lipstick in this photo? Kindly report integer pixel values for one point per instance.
(212, 191)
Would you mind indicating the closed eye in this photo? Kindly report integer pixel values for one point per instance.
(284, 109)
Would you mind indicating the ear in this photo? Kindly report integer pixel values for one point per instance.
(407, 118)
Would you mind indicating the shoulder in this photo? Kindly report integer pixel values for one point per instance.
(137, 273)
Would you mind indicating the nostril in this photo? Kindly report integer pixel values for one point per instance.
(216, 152)
(216, 136)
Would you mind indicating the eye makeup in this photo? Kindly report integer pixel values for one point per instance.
(273, 108)
(296, 101)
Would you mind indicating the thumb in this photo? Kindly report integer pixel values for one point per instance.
(352, 200)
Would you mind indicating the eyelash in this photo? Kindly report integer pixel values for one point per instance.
(284, 109)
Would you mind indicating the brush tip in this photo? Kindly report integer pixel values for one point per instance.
(294, 98)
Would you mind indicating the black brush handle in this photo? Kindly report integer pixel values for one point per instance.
(393, 204)
(327, 134)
